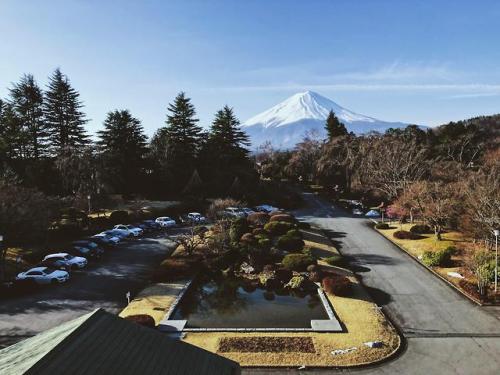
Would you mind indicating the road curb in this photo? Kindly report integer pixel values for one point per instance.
(449, 283)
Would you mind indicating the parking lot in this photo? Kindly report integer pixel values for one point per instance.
(102, 284)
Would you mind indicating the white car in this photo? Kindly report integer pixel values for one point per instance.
(44, 275)
(166, 222)
(65, 260)
(196, 218)
(107, 238)
(234, 212)
(129, 229)
(357, 211)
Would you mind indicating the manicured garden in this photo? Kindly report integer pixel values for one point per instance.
(278, 255)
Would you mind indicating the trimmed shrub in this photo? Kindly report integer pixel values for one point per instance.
(420, 229)
(335, 260)
(283, 217)
(247, 239)
(118, 217)
(436, 258)
(382, 226)
(297, 262)
(295, 282)
(278, 228)
(142, 319)
(336, 285)
(452, 250)
(238, 228)
(290, 243)
(294, 233)
(277, 212)
(316, 276)
(312, 268)
(283, 275)
(258, 218)
(264, 243)
(405, 235)
(259, 231)
(176, 268)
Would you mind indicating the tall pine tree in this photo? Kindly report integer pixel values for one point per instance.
(334, 128)
(175, 147)
(122, 145)
(225, 155)
(26, 101)
(64, 118)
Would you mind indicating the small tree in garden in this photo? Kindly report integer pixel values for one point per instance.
(437, 202)
(190, 241)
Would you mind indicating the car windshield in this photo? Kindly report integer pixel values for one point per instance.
(69, 257)
(48, 270)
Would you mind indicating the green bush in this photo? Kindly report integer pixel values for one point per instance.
(297, 262)
(452, 250)
(290, 243)
(382, 226)
(118, 217)
(283, 217)
(294, 233)
(437, 258)
(335, 260)
(420, 229)
(278, 228)
(176, 268)
(405, 235)
(264, 243)
(258, 218)
(238, 228)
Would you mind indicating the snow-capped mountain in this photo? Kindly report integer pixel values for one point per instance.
(285, 124)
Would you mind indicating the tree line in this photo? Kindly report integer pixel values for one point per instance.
(44, 145)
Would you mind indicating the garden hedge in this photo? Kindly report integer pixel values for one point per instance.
(278, 228)
(297, 262)
(405, 235)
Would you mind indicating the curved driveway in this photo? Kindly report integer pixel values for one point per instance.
(445, 332)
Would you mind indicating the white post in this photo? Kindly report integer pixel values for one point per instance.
(496, 232)
(128, 297)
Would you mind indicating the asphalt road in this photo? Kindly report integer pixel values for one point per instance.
(444, 332)
(102, 284)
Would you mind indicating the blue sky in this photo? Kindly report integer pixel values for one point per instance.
(425, 62)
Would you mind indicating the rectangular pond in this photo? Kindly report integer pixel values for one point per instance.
(239, 303)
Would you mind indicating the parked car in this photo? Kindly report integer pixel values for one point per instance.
(85, 252)
(44, 275)
(247, 211)
(152, 224)
(104, 240)
(166, 222)
(130, 229)
(357, 211)
(266, 208)
(65, 260)
(116, 233)
(94, 247)
(233, 212)
(196, 218)
(372, 213)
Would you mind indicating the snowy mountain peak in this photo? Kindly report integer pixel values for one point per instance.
(304, 105)
(286, 123)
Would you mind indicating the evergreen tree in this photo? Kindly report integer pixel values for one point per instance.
(122, 145)
(26, 100)
(12, 137)
(225, 155)
(63, 116)
(176, 146)
(334, 128)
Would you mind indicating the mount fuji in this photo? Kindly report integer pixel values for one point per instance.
(285, 124)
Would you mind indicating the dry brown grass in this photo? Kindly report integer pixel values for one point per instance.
(155, 300)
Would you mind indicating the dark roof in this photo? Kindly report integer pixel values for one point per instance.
(106, 344)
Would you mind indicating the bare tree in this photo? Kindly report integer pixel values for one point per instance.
(390, 164)
(190, 241)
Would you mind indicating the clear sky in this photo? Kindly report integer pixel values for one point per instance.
(425, 62)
